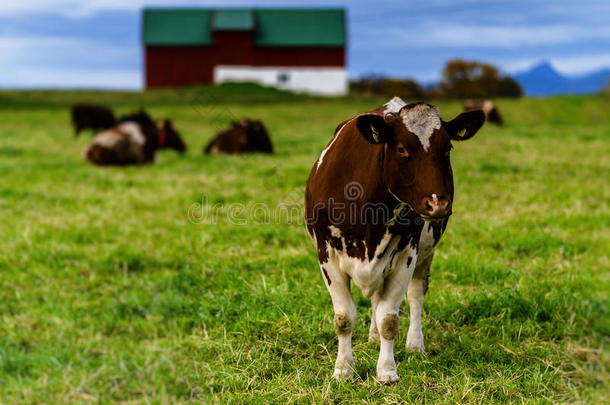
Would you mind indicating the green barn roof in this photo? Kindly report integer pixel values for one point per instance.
(177, 27)
(272, 27)
(233, 20)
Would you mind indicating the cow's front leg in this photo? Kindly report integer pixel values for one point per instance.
(386, 317)
(415, 295)
(338, 285)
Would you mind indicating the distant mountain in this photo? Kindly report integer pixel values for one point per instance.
(544, 80)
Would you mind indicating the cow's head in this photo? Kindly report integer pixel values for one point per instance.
(417, 145)
(168, 136)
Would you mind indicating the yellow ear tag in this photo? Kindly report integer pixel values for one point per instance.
(461, 132)
(375, 134)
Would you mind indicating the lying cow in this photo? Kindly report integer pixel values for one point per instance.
(377, 202)
(492, 114)
(168, 137)
(91, 116)
(133, 141)
(245, 136)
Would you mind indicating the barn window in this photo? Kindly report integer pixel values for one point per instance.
(283, 78)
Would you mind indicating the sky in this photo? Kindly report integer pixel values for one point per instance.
(96, 43)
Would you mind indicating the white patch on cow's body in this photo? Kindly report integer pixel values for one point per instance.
(334, 231)
(332, 142)
(422, 120)
(133, 131)
(107, 139)
(393, 106)
(426, 241)
(368, 275)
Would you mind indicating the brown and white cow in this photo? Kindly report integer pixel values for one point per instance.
(133, 141)
(377, 202)
(245, 136)
(492, 114)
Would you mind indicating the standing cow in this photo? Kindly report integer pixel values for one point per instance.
(377, 202)
(91, 116)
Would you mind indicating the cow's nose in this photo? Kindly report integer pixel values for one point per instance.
(437, 207)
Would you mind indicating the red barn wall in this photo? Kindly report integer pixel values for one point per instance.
(169, 66)
(299, 56)
(233, 47)
(178, 65)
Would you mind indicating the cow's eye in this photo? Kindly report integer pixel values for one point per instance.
(402, 151)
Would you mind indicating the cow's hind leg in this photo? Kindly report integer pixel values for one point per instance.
(386, 317)
(373, 331)
(338, 285)
(415, 295)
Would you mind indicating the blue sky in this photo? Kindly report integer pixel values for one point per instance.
(96, 43)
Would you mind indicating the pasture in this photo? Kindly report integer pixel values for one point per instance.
(182, 282)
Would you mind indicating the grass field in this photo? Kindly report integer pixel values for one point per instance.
(113, 288)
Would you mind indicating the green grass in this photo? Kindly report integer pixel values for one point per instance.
(108, 292)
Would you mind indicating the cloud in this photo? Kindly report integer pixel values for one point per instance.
(86, 8)
(42, 77)
(451, 36)
(47, 61)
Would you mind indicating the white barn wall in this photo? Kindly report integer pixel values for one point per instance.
(324, 80)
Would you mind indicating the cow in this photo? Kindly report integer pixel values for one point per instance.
(133, 141)
(376, 203)
(246, 136)
(91, 116)
(168, 137)
(492, 114)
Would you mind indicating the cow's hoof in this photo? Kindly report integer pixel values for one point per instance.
(343, 374)
(388, 377)
(415, 343)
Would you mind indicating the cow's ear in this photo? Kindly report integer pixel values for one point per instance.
(374, 128)
(465, 125)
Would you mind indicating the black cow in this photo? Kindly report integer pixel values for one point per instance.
(91, 116)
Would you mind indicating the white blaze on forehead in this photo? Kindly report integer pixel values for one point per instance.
(422, 120)
(393, 106)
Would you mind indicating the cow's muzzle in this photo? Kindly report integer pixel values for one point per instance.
(435, 207)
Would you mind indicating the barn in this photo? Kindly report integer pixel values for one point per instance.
(295, 49)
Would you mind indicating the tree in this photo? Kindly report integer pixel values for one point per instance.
(509, 87)
(378, 85)
(470, 79)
